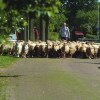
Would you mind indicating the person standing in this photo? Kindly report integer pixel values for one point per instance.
(36, 34)
(65, 33)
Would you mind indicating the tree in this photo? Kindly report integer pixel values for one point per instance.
(81, 14)
(46, 10)
(56, 22)
(33, 8)
(73, 6)
(25, 8)
(86, 21)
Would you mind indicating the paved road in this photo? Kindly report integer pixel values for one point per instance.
(54, 79)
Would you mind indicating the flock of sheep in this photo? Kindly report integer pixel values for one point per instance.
(51, 49)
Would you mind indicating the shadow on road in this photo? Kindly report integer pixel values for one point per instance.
(88, 62)
(7, 76)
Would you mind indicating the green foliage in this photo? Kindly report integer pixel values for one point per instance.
(3, 38)
(86, 20)
(34, 7)
(73, 6)
(31, 9)
(89, 17)
(56, 22)
(53, 36)
(78, 13)
(16, 22)
(2, 5)
(90, 36)
(86, 28)
(6, 61)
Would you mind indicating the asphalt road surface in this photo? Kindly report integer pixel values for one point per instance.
(54, 79)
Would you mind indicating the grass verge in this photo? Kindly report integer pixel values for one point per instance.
(6, 61)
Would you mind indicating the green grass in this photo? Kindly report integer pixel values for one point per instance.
(3, 84)
(6, 61)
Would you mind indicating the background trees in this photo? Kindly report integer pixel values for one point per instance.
(35, 9)
(48, 16)
(82, 15)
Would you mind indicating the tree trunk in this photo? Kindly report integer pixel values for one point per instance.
(46, 28)
(31, 30)
(42, 28)
(25, 34)
(28, 32)
(29, 27)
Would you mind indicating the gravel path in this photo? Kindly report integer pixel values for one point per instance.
(54, 79)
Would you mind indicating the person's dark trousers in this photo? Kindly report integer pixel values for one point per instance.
(64, 38)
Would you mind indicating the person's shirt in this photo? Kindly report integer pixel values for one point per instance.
(65, 32)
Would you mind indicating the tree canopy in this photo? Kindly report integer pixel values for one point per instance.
(79, 14)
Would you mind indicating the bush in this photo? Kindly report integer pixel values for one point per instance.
(90, 36)
(3, 38)
(53, 36)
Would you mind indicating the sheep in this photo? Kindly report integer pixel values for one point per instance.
(50, 49)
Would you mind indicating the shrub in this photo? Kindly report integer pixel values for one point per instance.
(90, 36)
(4, 38)
(53, 36)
